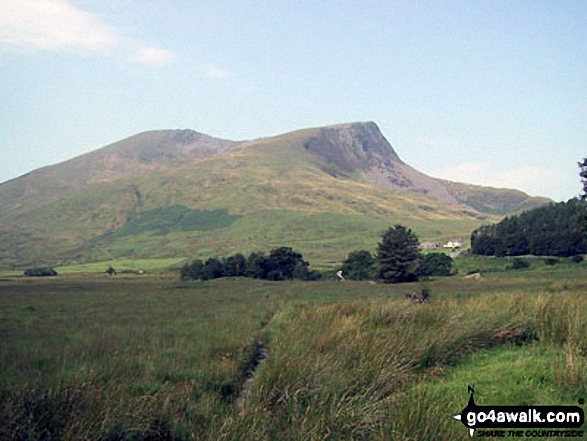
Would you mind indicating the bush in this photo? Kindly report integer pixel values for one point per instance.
(283, 262)
(577, 258)
(435, 264)
(192, 271)
(519, 263)
(234, 266)
(551, 261)
(212, 269)
(359, 265)
(40, 272)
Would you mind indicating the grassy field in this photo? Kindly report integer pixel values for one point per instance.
(148, 266)
(134, 358)
(123, 265)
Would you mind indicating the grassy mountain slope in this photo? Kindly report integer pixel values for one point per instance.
(180, 193)
(498, 201)
(134, 156)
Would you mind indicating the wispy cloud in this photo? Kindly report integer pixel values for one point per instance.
(532, 180)
(56, 25)
(53, 25)
(153, 56)
(212, 71)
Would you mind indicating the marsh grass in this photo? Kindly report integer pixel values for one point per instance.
(122, 360)
(395, 370)
(153, 358)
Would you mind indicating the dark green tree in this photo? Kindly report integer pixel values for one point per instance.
(257, 265)
(192, 271)
(551, 230)
(234, 266)
(435, 264)
(40, 272)
(303, 272)
(212, 269)
(398, 256)
(283, 262)
(359, 265)
(583, 174)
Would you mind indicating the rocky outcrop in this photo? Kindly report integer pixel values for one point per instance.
(361, 147)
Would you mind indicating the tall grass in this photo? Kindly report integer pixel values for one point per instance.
(122, 360)
(153, 358)
(349, 371)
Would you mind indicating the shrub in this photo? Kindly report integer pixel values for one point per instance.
(40, 272)
(551, 261)
(234, 266)
(192, 271)
(283, 262)
(359, 265)
(212, 269)
(577, 258)
(435, 264)
(425, 293)
(519, 263)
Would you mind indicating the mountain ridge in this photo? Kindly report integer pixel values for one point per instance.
(346, 173)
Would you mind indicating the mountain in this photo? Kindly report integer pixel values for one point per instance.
(325, 191)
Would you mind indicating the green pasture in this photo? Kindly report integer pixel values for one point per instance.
(123, 265)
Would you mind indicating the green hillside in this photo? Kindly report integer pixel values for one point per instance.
(499, 201)
(182, 194)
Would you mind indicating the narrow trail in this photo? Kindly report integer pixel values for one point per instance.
(259, 355)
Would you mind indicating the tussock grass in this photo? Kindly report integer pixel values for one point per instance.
(130, 359)
(152, 358)
(350, 371)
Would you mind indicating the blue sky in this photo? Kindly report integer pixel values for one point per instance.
(487, 92)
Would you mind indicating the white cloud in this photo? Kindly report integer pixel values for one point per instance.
(532, 180)
(212, 71)
(53, 25)
(56, 25)
(153, 56)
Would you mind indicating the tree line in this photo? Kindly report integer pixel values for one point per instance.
(552, 230)
(397, 259)
(281, 264)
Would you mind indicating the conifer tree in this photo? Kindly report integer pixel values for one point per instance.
(398, 256)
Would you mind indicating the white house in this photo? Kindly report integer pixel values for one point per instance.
(454, 243)
(429, 245)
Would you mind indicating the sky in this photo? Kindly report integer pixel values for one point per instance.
(485, 92)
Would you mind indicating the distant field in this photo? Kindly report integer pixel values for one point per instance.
(122, 265)
(155, 358)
